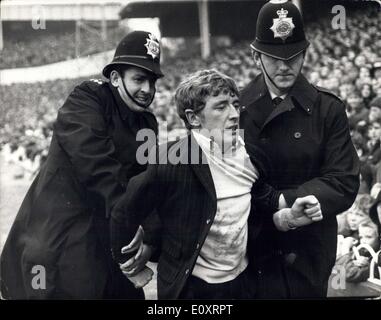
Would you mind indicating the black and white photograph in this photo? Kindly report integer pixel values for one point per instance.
(190, 150)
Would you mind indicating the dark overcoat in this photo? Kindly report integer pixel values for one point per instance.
(62, 225)
(308, 143)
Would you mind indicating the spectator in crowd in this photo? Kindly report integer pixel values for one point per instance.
(62, 224)
(374, 143)
(375, 110)
(349, 221)
(357, 112)
(375, 212)
(357, 262)
(367, 93)
(357, 214)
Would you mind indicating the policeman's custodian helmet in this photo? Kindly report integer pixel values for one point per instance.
(280, 30)
(139, 49)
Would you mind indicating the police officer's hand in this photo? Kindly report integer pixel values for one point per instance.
(142, 278)
(308, 206)
(285, 220)
(135, 264)
(135, 243)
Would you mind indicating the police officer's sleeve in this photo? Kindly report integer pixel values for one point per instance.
(143, 196)
(81, 131)
(337, 185)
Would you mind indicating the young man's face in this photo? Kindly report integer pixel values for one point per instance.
(355, 217)
(282, 73)
(221, 113)
(140, 84)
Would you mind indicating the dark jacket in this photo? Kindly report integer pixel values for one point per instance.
(308, 143)
(62, 224)
(185, 199)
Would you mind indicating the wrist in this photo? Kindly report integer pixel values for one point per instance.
(282, 220)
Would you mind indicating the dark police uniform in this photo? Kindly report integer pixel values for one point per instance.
(61, 234)
(307, 140)
(306, 137)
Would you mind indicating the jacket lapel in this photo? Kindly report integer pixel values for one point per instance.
(284, 106)
(257, 101)
(259, 105)
(201, 168)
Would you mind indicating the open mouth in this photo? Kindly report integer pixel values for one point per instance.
(143, 100)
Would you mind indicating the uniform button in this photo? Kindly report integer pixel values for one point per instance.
(259, 272)
(198, 245)
(243, 108)
(308, 109)
(186, 271)
(208, 221)
(297, 135)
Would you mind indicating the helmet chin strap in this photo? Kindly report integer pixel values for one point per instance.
(268, 77)
(134, 100)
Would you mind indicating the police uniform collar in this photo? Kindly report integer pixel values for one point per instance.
(124, 109)
(302, 91)
(256, 90)
(304, 94)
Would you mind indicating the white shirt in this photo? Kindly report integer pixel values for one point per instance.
(273, 95)
(223, 255)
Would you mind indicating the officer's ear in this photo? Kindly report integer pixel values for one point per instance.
(256, 58)
(192, 118)
(114, 78)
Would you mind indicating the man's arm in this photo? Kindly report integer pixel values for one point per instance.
(81, 131)
(338, 183)
(304, 211)
(141, 198)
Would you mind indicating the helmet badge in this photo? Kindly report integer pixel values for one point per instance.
(283, 26)
(153, 47)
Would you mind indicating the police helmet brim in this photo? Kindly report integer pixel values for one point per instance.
(282, 52)
(140, 62)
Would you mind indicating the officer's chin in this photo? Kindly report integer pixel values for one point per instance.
(285, 84)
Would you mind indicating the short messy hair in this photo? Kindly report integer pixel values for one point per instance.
(193, 91)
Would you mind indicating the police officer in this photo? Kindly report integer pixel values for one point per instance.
(304, 132)
(58, 247)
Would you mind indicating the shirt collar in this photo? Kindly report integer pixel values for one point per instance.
(273, 95)
(208, 145)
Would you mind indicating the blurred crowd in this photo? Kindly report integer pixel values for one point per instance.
(346, 62)
(40, 48)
